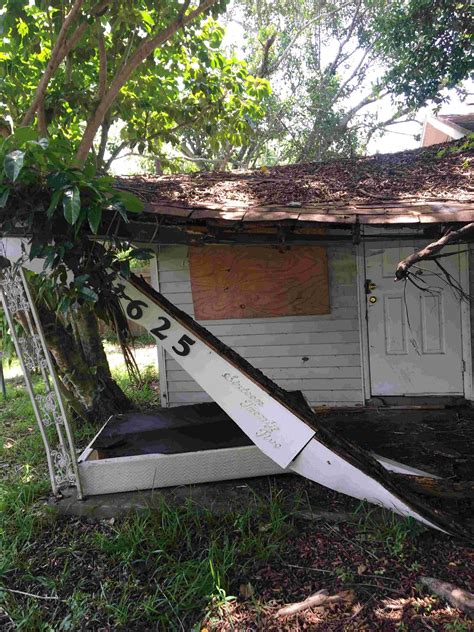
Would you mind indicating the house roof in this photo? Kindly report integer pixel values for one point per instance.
(426, 185)
(465, 121)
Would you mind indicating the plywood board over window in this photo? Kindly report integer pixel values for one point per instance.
(258, 281)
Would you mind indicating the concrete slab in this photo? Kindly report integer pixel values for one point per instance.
(219, 498)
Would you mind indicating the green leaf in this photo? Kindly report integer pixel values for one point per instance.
(4, 193)
(36, 250)
(72, 205)
(64, 304)
(23, 134)
(131, 202)
(89, 171)
(94, 215)
(82, 278)
(121, 209)
(59, 180)
(88, 293)
(13, 164)
(125, 269)
(53, 204)
(142, 254)
(146, 17)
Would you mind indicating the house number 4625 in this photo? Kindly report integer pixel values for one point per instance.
(182, 347)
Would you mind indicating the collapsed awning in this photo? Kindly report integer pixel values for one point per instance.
(283, 426)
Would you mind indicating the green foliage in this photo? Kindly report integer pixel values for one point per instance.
(60, 205)
(148, 395)
(186, 93)
(341, 72)
(193, 103)
(426, 45)
(176, 562)
(379, 525)
(318, 72)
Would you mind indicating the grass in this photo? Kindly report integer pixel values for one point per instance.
(383, 526)
(171, 567)
(181, 566)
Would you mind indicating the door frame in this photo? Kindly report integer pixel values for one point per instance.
(466, 343)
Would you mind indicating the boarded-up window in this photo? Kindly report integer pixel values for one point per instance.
(258, 281)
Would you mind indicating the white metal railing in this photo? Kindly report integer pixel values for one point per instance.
(33, 354)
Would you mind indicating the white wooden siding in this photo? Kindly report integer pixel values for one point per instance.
(319, 355)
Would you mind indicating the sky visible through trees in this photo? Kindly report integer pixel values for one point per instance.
(399, 136)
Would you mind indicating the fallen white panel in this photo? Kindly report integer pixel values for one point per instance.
(150, 471)
(401, 468)
(280, 431)
(323, 466)
(277, 431)
(273, 422)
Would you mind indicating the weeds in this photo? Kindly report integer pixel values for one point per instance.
(169, 567)
(148, 395)
(379, 525)
(176, 567)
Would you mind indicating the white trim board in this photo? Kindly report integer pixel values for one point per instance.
(153, 471)
(362, 310)
(466, 333)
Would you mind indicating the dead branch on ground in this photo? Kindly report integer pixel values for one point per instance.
(320, 598)
(457, 597)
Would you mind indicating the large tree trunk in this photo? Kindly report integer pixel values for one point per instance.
(82, 364)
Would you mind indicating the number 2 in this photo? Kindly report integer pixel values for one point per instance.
(186, 342)
(164, 327)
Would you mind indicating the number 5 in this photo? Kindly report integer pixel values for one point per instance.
(186, 342)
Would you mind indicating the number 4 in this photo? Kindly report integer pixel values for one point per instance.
(186, 342)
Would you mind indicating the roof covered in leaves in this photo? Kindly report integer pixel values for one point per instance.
(426, 185)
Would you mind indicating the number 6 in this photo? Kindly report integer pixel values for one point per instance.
(134, 309)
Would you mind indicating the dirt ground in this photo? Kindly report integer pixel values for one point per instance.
(325, 541)
(369, 556)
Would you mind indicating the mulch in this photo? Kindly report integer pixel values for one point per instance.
(428, 173)
(386, 590)
(379, 565)
(382, 571)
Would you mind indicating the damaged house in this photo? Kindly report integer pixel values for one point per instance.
(294, 267)
(287, 276)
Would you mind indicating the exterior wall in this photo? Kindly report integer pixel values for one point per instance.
(433, 136)
(319, 355)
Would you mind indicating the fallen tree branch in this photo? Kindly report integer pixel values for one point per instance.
(28, 594)
(320, 598)
(430, 251)
(457, 597)
(440, 488)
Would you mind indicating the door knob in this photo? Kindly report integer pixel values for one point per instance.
(369, 286)
(373, 299)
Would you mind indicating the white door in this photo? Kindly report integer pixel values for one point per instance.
(415, 344)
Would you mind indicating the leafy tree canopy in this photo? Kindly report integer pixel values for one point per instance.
(425, 44)
(74, 70)
(343, 71)
(185, 84)
(68, 71)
